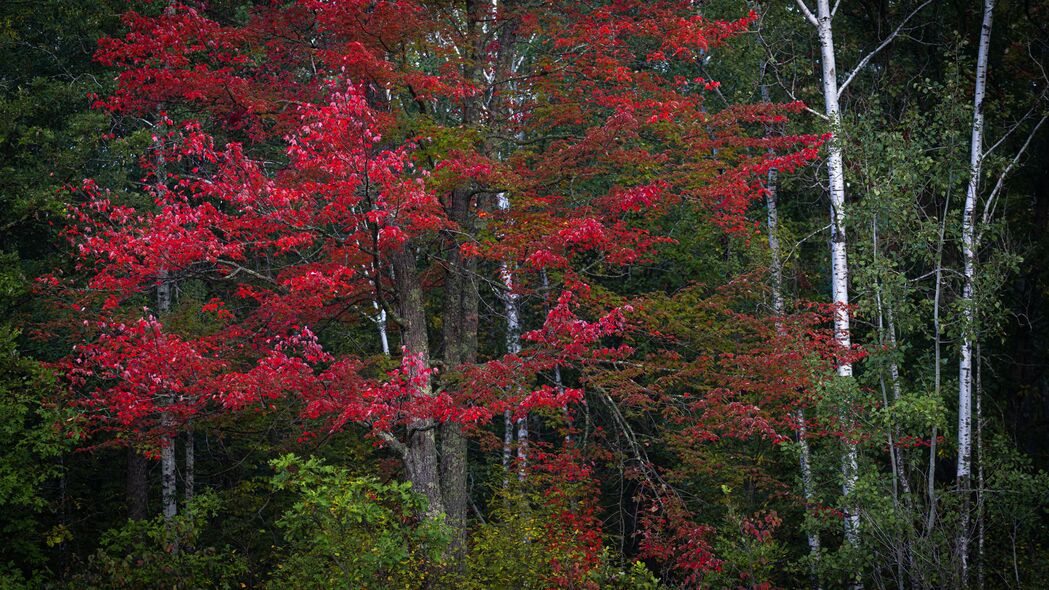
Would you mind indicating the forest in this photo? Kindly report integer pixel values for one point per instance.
(524, 294)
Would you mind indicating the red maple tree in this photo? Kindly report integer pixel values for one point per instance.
(323, 162)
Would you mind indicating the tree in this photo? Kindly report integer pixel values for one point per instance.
(370, 178)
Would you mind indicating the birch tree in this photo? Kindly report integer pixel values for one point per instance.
(779, 309)
(822, 19)
(965, 374)
(838, 245)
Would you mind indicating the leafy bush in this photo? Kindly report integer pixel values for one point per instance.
(349, 532)
(155, 553)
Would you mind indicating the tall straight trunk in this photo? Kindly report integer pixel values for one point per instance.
(137, 485)
(459, 334)
(894, 380)
(887, 338)
(169, 493)
(189, 470)
(839, 256)
(779, 309)
(504, 71)
(900, 485)
(980, 532)
(513, 346)
(968, 300)
(559, 383)
(838, 252)
(459, 321)
(420, 454)
(930, 520)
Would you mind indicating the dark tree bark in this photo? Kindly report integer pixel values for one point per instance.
(459, 335)
(420, 457)
(137, 485)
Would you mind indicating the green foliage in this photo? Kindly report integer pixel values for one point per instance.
(29, 444)
(533, 539)
(350, 532)
(752, 558)
(1016, 505)
(146, 554)
(612, 575)
(505, 553)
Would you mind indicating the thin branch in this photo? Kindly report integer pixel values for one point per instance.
(1039, 103)
(989, 205)
(863, 62)
(237, 269)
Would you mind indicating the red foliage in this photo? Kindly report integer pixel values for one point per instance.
(289, 247)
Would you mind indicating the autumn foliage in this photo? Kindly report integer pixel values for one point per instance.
(301, 153)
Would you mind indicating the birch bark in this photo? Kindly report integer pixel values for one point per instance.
(779, 309)
(838, 244)
(168, 491)
(513, 346)
(968, 299)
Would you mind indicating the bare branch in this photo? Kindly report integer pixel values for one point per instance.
(808, 13)
(237, 269)
(989, 205)
(1038, 104)
(775, 70)
(867, 58)
(392, 442)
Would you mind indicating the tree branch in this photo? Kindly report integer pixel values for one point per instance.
(393, 443)
(866, 59)
(989, 205)
(808, 13)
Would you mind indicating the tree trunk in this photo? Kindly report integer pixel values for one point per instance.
(169, 493)
(887, 338)
(420, 456)
(459, 333)
(137, 485)
(839, 257)
(380, 321)
(968, 300)
(189, 482)
(779, 309)
(980, 532)
(513, 333)
(513, 346)
(930, 520)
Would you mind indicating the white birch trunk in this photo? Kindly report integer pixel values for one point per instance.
(169, 496)
(980, 532)
(513, 346)
(169, 492)
(380, 321)
(930, 521)
(779, 309)
(804, 457)
(965, 372)
(838, 251)
(887, 336)
(894, 378)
